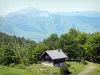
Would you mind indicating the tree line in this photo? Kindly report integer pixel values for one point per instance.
(77, 45)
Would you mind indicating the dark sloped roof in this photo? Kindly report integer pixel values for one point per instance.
(56, 54)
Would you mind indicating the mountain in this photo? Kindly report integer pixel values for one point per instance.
(37, 25)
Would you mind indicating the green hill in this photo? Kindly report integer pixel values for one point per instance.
(36, 69)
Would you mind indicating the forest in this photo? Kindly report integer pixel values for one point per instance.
(76, 44)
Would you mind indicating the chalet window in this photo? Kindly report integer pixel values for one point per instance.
(46, 57)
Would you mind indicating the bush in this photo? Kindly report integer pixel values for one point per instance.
(12, 65)
(84, 62)
(20, 66)
(64, 70)
(68, 65)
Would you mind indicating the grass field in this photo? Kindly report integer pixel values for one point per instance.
(37, 69)
(75, 67)
(13, 71)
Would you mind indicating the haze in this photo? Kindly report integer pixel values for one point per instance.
(8, 6)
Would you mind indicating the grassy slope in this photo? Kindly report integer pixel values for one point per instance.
(13, 71)
(75, 67)
(96, 70)
(31, 70)
(37, 69)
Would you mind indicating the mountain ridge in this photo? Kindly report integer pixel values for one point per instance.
(37, 24)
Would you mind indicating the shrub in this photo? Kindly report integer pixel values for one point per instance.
(12, 65)
(68, 65)
(84, 62)
(64, 70)
(20, 66)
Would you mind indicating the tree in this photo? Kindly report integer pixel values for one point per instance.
(73, 32)
(81, 39)
(92, 47)
(72, 43)
(37, 52)
(9, 56)
(68, 44)
(15, 49)
(53, 37)
(51, 42)
(1, 55)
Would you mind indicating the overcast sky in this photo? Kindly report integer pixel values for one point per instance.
(7, 6)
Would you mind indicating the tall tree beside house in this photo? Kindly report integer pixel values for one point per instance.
(68, 44)
(65, 43)
(81, 39)
(38, 50)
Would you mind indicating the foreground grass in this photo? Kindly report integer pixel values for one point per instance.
(35, 69)
(13, 71)
(43, 70)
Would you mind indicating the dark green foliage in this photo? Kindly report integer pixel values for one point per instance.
(92, 47)
(9, 56)
(51, 42)
(64, 70)
(20, 66)
(80, 46)
(84, 62)
(15, 49)
(38, 50)
(12, 65)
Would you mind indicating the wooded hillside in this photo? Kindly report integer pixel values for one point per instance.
(77, 45)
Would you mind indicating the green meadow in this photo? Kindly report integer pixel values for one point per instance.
(38, 69)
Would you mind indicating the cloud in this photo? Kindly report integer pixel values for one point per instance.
(7, 6)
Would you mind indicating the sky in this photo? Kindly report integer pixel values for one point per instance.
(8, 6)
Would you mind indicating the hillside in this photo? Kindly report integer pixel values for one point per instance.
(31, 70)
(37, 25)
(14, 49)
(75, 44)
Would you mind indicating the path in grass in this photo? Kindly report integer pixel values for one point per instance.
(87, 70)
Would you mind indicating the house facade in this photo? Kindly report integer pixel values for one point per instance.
(53, 57)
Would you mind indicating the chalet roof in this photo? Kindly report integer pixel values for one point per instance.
(56, 54)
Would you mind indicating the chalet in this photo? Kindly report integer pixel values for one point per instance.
(53, 57)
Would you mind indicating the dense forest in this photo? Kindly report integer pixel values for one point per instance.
(77, 45)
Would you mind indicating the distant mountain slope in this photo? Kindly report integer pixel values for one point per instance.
(37, 25)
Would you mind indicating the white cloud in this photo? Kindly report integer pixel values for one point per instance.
(7, 6)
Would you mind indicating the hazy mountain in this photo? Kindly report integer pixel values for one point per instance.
(36, 24)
